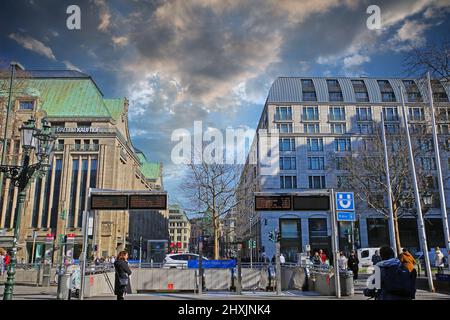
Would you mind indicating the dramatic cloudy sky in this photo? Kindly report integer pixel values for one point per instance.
(212, 60)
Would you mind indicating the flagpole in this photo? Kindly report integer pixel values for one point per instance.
(439, 169)
(388, 179)
(420, 222)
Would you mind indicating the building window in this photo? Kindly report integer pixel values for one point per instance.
(48, 181)
(311, 127)
(26, 105)
(342, 182)
(390, 114)
(310, 113)
(338, 128)
(339, 163)
(392, 128)
(365, 128)
(73, 193)
(284, 127)
(283, 113)
(308, 90)
(287, 144)
(37, 202)
(288, 182)
(364, 114)
(342, 144)
(334, 90)
(316, 182)
(428, 163)
(56, 193)
(337, 114)
(316, 163)
(315, 144)
(360, 90)
(412, 91)
(82, 196)
(443, 129)
(288, 163)
(387, 93)
(416, 114)
(439, 94)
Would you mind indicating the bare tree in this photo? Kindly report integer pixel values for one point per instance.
(210, 189)
(433, 58)
(365, 172)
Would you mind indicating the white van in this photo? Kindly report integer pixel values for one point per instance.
(365, 256)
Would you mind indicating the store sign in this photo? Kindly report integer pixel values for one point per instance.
(77, 130)
(272, 203)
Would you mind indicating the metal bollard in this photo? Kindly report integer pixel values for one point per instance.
(63, 286)
(46, 275)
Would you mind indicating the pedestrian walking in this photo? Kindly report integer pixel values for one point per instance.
(122, 283)
(353, 265)
(342, 262)
(376, 257)
(391, 279)
(282, 259)
(408, 261)
(2, 261)
(323, 256)
(7, 260)
(439, 260)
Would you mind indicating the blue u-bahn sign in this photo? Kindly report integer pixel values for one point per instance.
(345, 201)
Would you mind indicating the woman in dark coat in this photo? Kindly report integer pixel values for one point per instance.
(122, 272)
(353, 264)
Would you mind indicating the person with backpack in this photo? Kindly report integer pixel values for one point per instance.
(391, 279)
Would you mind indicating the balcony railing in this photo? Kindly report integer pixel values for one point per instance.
(58, 147)
(84, 147)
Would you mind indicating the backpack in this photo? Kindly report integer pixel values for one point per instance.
(396, 281)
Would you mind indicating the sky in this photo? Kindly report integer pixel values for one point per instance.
(214, 61)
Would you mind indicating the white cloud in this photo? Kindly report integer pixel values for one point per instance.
(120, 41)
(69, 65)
(355, 60)
(34, 45)
(410, 34)
(104, 15)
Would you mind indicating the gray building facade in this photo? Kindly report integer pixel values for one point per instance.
(317, 119)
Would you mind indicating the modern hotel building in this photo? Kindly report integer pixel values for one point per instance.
(317, 120)
(93, 148)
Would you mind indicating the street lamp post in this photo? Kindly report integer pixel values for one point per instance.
(14, 65)
(31, 137)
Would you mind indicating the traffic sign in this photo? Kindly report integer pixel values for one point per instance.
(346, 216)
(345, 201)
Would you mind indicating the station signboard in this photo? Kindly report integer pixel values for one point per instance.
(109, 202)
(150, 201)
(273, 203)
(311, 203)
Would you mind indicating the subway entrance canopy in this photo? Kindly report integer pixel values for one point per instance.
(101, 199)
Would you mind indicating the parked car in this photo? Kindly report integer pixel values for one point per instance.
(179, 260)
(365, 256)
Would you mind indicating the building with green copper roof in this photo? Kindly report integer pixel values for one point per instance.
(93, 149)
